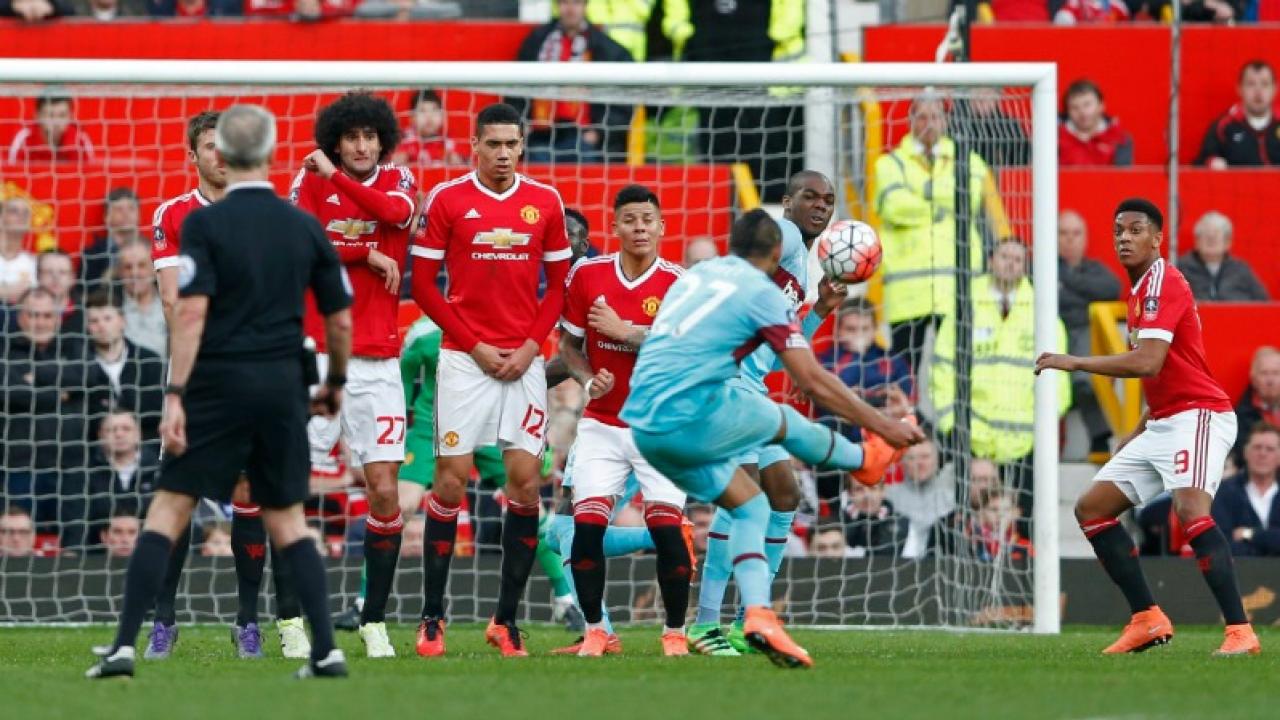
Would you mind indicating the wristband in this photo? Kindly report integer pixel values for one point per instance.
(336, 381)
(178, 390)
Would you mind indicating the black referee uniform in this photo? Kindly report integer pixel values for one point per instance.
(255, 256)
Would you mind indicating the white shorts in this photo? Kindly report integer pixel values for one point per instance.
(372, 418)
(474, 410)
(1181, 451)
(604, 456)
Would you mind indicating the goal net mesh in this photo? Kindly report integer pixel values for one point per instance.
(942, 543)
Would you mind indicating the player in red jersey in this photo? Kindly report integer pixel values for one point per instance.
(366, 210)
(632, 283)
(1180, 445)
(496, 232)
(248, 534)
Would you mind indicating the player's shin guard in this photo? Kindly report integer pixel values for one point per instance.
(167, 600)
(249, 548)
(437, 552)
(141, 583)
(775, 538)
(1213, 554)
(717, 567)
(674, 563)
(587, 559)
(746, 546)
(519, 548)
(1119, 557)
(818, 445)
(381, 551)
(307, 570)
(287, 605)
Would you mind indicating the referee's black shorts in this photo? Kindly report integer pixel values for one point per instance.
(248, 416)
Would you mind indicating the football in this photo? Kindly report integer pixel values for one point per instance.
(849, 252)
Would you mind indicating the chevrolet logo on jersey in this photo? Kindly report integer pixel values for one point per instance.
(501, 238)
(352, 229)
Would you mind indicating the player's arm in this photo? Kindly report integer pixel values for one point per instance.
(826, 390)
(1143, 362)
(604, 320)
(896, 202)
(167, 277)
(578, 366)
(395, 206)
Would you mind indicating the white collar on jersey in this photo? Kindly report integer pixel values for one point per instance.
(251, 185)
(633, 284)
(475, 180)
(373, 177)
(200, 197)
(1159, 263)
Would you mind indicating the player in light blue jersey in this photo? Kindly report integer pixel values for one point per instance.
(807, 209)
(697, 429)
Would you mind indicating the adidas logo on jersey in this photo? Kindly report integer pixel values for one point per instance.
(333, 199)
(471, 215)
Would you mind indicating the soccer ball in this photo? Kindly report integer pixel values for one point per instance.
(849, 252)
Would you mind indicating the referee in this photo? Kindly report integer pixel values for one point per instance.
(238, 394)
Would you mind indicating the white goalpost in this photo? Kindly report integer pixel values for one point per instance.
(712, 139)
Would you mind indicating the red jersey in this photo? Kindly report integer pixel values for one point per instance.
(1162, 307)
(166, 224)
(30, 145)
(636, 301)
(493, 246)
(425, 151)
(373, 214)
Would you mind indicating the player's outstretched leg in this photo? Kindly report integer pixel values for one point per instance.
(249, 549)
(819, 445)
(564, 606)
(675, 568)
(588, 565)
(164, 631)
(1213, 555)
(294, 643)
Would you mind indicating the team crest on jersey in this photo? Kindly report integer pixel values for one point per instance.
(158, 239)
(352, 229)
(530, 214)
(501, 238)
(1150, 308)
(650, 305)
(450, 439)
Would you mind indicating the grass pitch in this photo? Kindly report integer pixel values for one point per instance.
(871, 674)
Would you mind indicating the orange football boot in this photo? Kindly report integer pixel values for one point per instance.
(877, 456)
(506, 637)
(674, 643)
(1147, 629)
(595, 643)
(764, 632)
(431, 637)
(1239, 640)
(613, 647)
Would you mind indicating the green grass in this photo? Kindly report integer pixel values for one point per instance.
(859, 674)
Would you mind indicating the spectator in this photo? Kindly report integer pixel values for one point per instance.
(54, 136)
(1088, 12)
(217, 540)
(1037, 11)
(993, 532)
(828, 542)
(121, 534)
(120, 479)
(144, 323)
(1001, 140)
(1081, 281)
(108, 10)
(195, 8)
(700, 516)
(121, 220)
(699, 249)
(984, 479)
(918, 226)
(571, 130)
(42, 418)
(1086, 135)
(871, 527)
(17, 266)
(926, 495)
(1215, 276)
(17, 532)
(424, 141)
(863, 363)
(1248, 133)
(55, 272)
(415, 534)
(303, 10)
(1209, 11)
(121, 375)
(36, 10)
(1247, 506)
(1261, 400)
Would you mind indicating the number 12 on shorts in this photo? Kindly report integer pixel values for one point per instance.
(389, 423)
(534, 419)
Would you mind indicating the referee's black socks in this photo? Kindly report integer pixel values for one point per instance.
(142, 583)
(167, 601)
(309, 578)
(383, 535)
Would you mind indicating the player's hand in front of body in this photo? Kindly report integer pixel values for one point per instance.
(327, 401)
(600, 384)
(900, 433)
(830, 295)
(320, 164)
(605, 321)
(489, 358)
(517, 362)
(173, 428)
(1055, 361)
(388, 268)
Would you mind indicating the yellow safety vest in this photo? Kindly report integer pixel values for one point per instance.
(916, 205)
(1002, 410)
(786, 27)
(624, 21)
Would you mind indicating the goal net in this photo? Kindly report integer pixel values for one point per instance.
(963, 533)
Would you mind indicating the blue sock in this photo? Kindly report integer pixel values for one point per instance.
(559, 535)
(775, 539)
(562, 532)
(716, 569)
(626, 540)
(746, 547)
(817, 444)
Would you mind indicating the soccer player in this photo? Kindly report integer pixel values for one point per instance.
(1180, 445)
(496, 232)
(632, 283)
(248, 534)
(366, 209)
(696, 428)
(807, 209)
